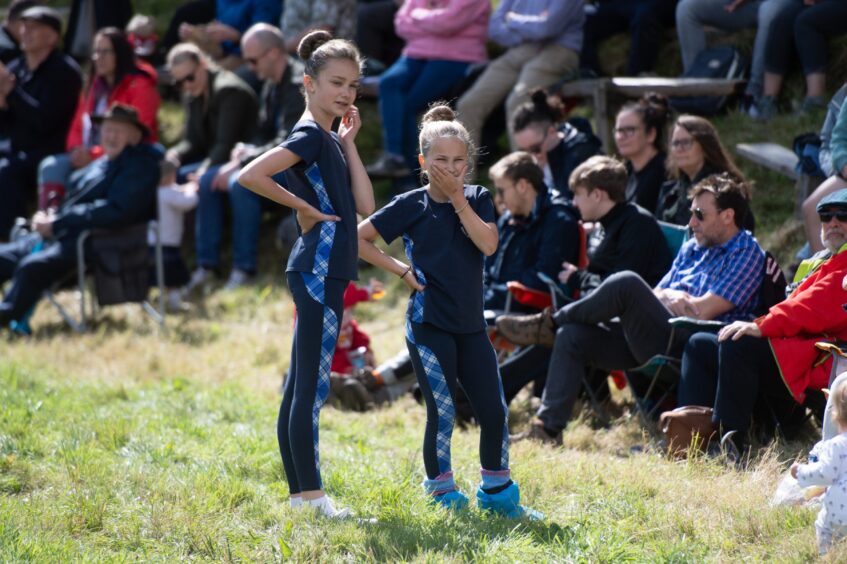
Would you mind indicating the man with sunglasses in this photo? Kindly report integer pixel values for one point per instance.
(281, 104)
(774, 356)
(220, 111)
(623, 322)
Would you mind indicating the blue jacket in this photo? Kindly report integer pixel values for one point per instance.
(111, 193)
(839, 142)
(241, 14)
(516, 22)
(540, 242)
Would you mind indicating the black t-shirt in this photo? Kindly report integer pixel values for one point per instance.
(438, 248)
(323, 179)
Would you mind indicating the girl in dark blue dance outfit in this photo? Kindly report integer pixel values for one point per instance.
(326, 183)
(447, 227)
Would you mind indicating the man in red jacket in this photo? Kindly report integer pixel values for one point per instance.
(774, 356)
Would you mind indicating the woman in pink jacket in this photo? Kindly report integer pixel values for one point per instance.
(117, 76)
(443, 38)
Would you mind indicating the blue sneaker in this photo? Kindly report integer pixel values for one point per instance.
(506, 503)
(453, 500)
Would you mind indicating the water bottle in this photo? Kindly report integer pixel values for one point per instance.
(357, 357)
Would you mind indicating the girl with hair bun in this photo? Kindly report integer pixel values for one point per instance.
(326, 184)
(640, 139)
(448, 227)
(559, 146)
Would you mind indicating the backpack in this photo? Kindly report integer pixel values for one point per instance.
(807, 147)
(723, 61)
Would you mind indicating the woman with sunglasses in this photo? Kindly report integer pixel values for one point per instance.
(640, 139)
(559, 146)
(696, 152)
(117, 77)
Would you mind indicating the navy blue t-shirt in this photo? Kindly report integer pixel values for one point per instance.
(323, 179)
(442, 254)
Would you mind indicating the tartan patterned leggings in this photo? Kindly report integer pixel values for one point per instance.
(320, 304)
(441, 361)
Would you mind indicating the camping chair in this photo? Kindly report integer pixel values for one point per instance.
(120, 266)
(663, 370)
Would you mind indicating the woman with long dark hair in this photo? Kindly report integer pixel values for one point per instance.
(117, 76)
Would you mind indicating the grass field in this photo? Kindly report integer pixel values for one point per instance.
(127, 444)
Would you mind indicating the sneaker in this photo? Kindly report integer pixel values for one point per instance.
(522, 330)
(763, 109)
(325, 508)
(537, 432)
(506, 503)
(389, 166)
(452, 500)
(174, 303)
(812, 104)
(238, 278)
(201, 278)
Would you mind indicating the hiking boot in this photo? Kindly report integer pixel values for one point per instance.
(522, 330)
(453, 500)
(506, 503)
(537, 432)
(389, 166)
(811, 104)
(238, 278)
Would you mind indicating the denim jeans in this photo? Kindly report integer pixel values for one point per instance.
(404, 91)
(693, 15)
(209, 224)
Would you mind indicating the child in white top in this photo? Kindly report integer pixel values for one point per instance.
(173, 201)
(827, 466)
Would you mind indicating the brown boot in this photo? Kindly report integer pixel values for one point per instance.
(537, 432)
(524, 330)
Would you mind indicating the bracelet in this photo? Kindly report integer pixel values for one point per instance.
(408, 270)
(460, 210)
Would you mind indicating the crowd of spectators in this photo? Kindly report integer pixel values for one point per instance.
(84, 153)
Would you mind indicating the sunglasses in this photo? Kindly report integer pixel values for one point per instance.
(187, 79)
(827, 216)
(682, 144)
(255, 60)
(538, 148)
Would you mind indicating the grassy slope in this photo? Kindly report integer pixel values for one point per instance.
(126, 444)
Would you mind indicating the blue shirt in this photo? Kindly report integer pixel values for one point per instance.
(444, 258)
(322, 178)
(538, 21)
(732, 271)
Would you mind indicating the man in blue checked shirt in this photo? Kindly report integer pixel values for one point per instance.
(624, 323)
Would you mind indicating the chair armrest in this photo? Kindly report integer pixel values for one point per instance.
(696, 325)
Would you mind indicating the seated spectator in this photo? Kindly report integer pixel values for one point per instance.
(173, 202)
(559, 146)
(375, 34)
(538, 231)
(281, 105)
(88, 16)
(220, 111)
(219, 37)
(716, 275)
(10, 31)
(338, 17)
(810, 24)
(443, 38)
(640, 139)
(117, 78)
(774, 356)
(833, 159)
(630, 239)
(696, 152)
(116, 190)
(694, 16)
(38, 94)
(542, 40)
(192, 12)
(646, 21)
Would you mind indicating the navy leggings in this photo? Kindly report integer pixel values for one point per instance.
(441, 360)
(320, 304)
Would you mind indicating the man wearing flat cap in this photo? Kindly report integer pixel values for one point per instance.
(775, 356)
(116, 190)
(39, 91)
